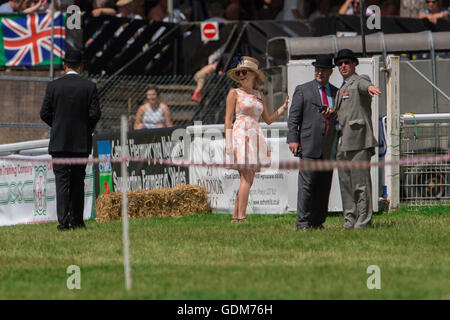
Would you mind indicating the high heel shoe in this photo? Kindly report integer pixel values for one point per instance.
(238, 220)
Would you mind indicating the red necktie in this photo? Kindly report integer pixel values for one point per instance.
(325, 103)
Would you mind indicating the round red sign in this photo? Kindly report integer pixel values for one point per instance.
(209, 30)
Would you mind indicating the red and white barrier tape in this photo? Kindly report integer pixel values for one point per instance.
(316, 165)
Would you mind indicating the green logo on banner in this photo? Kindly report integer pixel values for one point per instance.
(40, 182)
(106, 182)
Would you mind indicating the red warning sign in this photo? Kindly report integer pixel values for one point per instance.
(210, 31)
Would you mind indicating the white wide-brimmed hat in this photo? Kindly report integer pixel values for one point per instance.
(247, 63)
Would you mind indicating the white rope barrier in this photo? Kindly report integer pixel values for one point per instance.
(307, 165)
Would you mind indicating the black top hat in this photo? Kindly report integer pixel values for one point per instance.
(73, 56)
(324, 61)
(345, 54)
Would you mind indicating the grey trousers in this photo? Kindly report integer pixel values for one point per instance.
(356, 190)
(312, 197)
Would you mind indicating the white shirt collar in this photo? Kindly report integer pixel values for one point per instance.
(72, 72)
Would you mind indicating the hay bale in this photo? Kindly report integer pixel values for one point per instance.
(180, 201)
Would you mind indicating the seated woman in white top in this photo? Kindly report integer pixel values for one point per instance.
(434, 11)
(153, 113)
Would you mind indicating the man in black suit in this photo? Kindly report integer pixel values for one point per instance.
(71, 109)
(312, 136)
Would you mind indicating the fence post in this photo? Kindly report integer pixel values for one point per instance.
(125, 224)
(392, 172)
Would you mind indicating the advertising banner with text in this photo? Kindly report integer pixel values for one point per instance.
(267, 195)
(142, 175)
(28, 193)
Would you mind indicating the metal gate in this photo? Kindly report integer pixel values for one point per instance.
(426, 183)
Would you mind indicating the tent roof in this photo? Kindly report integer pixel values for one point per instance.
(283, 49)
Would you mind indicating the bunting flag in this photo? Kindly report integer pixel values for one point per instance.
(25, 39)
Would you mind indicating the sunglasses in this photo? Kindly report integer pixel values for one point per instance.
(244, 72)
(346, 62)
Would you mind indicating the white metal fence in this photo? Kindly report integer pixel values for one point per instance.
(427, 183)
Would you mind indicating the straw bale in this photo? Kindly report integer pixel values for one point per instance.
(179, 201)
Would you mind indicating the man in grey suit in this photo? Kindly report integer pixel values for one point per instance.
(311, 136)
(356, 139)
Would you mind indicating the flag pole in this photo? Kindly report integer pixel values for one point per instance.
(52, 11)
(361, 21)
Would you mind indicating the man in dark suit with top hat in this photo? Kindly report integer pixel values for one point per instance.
(311, 136)
(356, 141)
(71, 109)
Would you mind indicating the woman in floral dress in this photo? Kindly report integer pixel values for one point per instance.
(245, 143)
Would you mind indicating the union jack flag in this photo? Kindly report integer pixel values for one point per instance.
(27, 39)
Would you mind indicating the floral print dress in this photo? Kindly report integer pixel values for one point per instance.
(249, 145)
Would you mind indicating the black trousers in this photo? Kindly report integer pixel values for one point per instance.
(312, 197)
(69, 180)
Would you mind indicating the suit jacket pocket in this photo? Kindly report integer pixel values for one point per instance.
(306, 133)
(306, 126)
(357, 124)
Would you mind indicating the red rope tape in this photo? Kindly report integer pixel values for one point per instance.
(306, 165)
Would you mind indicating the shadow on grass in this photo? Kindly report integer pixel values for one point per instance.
(383, 224)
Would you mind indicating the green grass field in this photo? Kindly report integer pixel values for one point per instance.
(206, 257)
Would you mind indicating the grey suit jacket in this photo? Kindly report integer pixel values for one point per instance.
(354, 113)
(306, 125)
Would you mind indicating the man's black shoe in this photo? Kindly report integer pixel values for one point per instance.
(63, 228)
(79, 226)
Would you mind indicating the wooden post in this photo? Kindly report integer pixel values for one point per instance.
(392, 172)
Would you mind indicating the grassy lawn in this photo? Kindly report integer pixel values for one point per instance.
(206, 257)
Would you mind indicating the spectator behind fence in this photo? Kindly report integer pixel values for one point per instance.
(233, 11)
(411, 8)
(320, 10)
(434, 11)
(46, 5)
(103, 7)
(269, 9)
(294, 10)
(200, 78)
(27, 4)
(158, 12)
(153, 113)
(216, 12)
(186, 10)
(64, 4)
(15, 6)
(202, 74)
(351, 7)
(249, 11)
(125, 8)
(390, 8)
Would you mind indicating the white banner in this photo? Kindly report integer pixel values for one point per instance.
(28, 193)
(267, 195)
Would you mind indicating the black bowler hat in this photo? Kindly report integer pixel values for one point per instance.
(73, 56)
(324, 61)
(345, 54)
